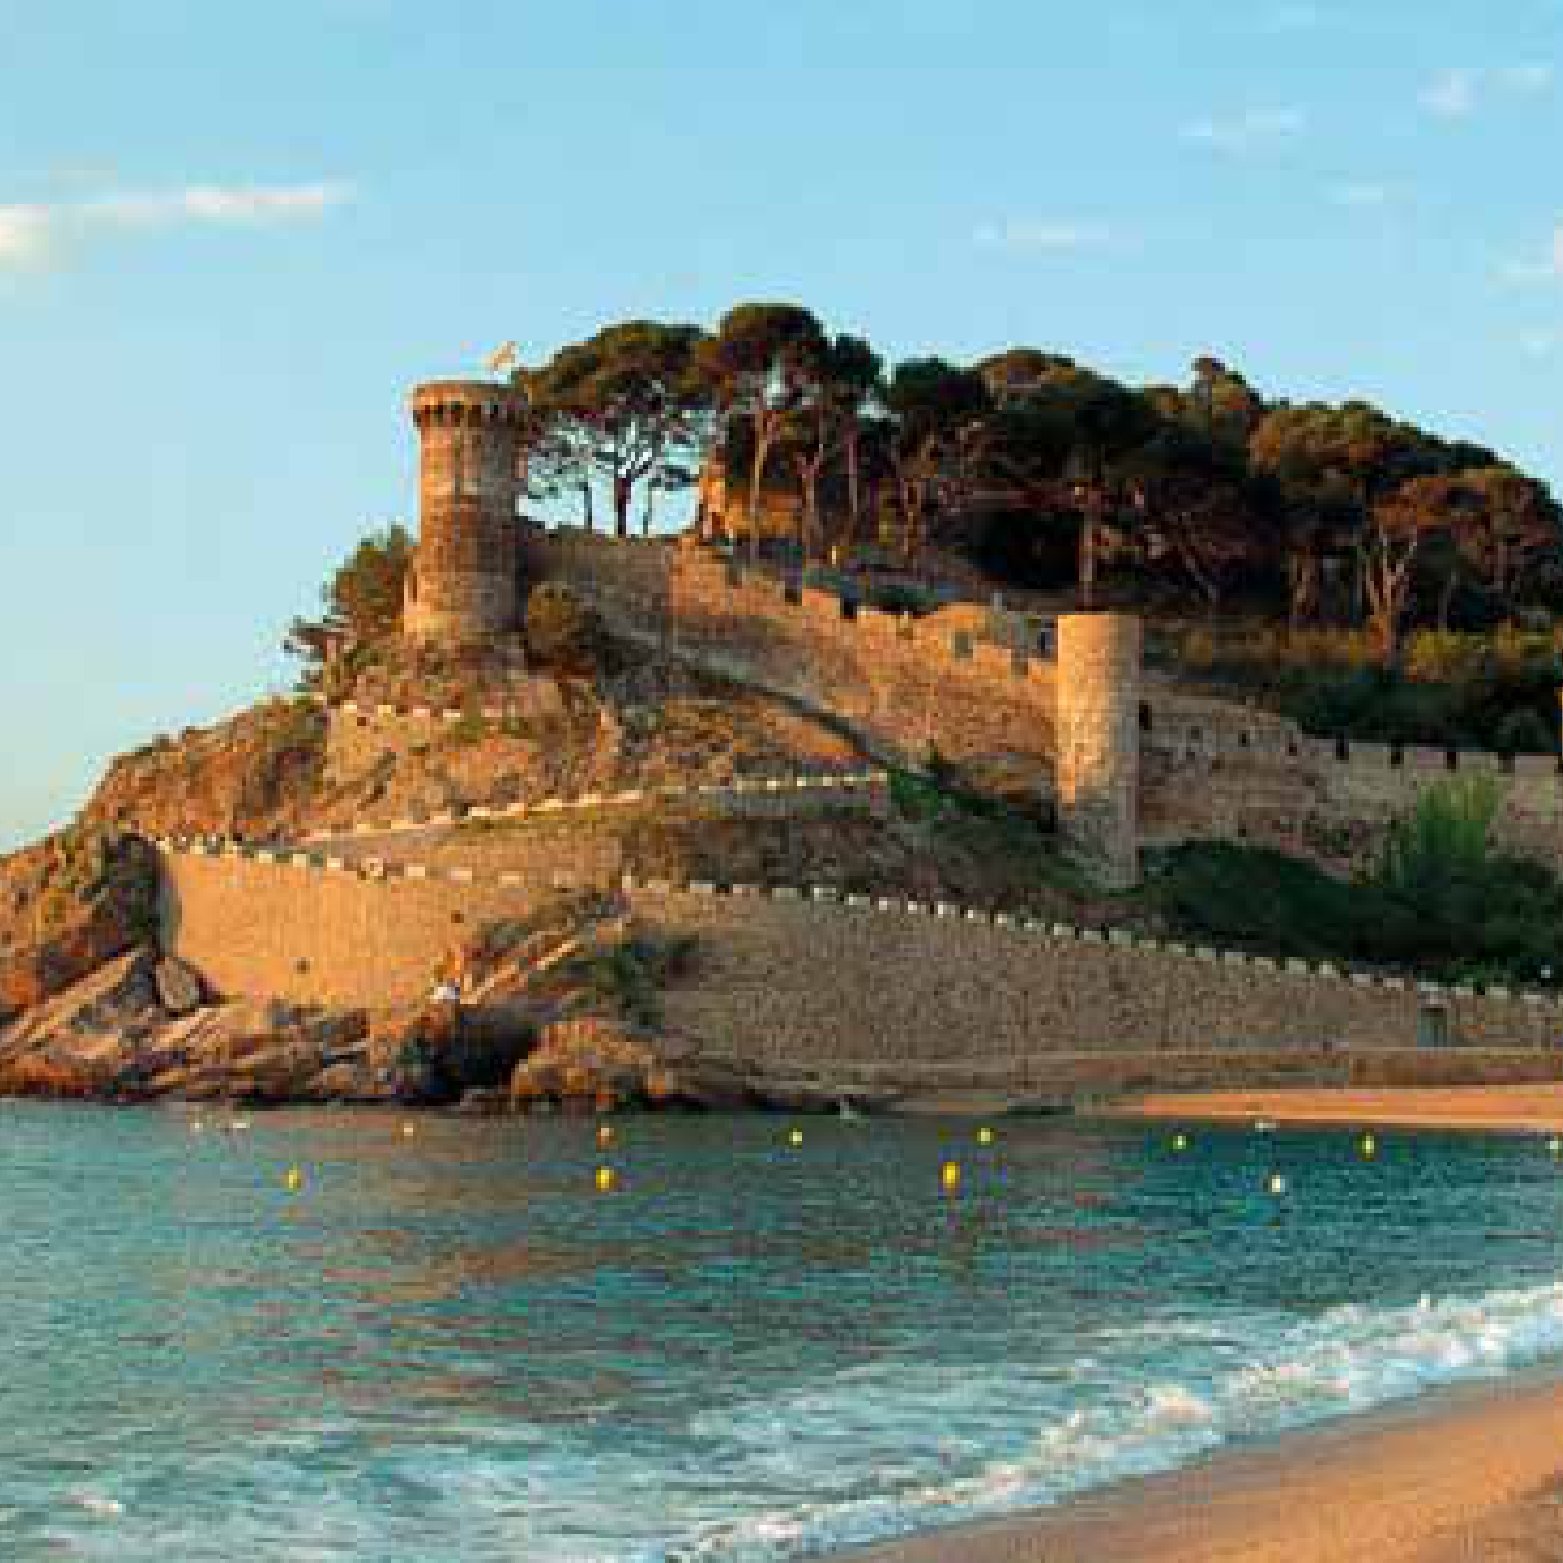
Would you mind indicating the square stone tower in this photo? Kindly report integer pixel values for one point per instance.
(462, 584)
(1098, 683)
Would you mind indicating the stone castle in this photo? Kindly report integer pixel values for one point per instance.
(1063, 712)
(463, 588)
(1062, 709)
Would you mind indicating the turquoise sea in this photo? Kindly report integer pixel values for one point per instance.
(451, 1346)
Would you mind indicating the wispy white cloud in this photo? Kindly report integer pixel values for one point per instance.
(1458, 93)
(32, 234)
(1547, 268)
(252, 204)
(1041, 236)
(1249, 131)
(24, 236)
(1542, 344)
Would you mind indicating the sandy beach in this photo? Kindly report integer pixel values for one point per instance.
(1517, 1109)
(1468, 1475)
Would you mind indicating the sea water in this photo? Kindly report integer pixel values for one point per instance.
(446, 1343)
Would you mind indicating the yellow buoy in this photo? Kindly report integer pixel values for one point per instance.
(950, 1176)
(1369, 1147)
(606, 1179)
(795, 1137)
(985, 1136)
(1277, 1185)
(1180, 1143)
(1555, 1145)
(294, 1180)
(605, 1135)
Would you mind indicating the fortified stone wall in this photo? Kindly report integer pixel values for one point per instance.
(1209, 768)
(746, 797)
(905, 686)
(314, 929)
(813, 979)
(1215, 770)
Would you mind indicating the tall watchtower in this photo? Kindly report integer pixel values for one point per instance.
(1098, 682)
(462, 584)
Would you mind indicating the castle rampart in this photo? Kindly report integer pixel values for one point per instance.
(813, 978)
(1208, 768)
(909, 688)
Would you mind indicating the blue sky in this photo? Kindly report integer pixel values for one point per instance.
(231, 236)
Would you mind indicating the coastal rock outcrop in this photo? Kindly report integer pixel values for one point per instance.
(68, 905)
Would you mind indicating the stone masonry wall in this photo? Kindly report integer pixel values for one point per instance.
(1099, 656)
(1209, 768)
(1215, 770)
(462, 585)
(903, 686)
(816, 981)
(314, 930)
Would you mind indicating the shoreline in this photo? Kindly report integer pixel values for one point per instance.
(1481, 1109)
(1473, 1471)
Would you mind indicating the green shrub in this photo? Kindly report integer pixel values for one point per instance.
(1442, 900)
(1257, 898)
(1440, 657)
(1447, 836)
(1524, 732)
(1495, 691)
(561, 630)
(900, 597)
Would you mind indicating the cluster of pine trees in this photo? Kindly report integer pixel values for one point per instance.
(1049, 473)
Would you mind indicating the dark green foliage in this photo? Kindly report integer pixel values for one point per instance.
(1440, 902)
(363, 601)
(1450, 691)
(561, 631)
(1446, 837)
(631, 975)
(625, 407)
(1252, 897)
(1525, 731)
(901, 597)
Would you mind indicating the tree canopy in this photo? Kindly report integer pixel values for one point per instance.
(1050, 473)
(626, 405)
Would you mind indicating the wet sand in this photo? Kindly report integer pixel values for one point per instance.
(1514, 1109)
(1468, 1476)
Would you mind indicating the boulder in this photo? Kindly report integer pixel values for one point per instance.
(87, 1040)
(120, 997)
(67, 906)
(594, 1061)
(180, 989)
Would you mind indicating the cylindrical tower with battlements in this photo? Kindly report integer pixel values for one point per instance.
(462, 584)
(1098, 683)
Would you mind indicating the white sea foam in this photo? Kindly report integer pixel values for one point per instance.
(99, 1507)
(1348, 1359)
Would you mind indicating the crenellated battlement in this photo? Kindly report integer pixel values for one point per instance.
(966, 684)
(803, 972)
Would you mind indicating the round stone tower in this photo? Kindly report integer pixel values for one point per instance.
(1098, 683)
(462, 584)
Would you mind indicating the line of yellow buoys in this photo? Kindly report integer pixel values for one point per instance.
(606, 1179)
